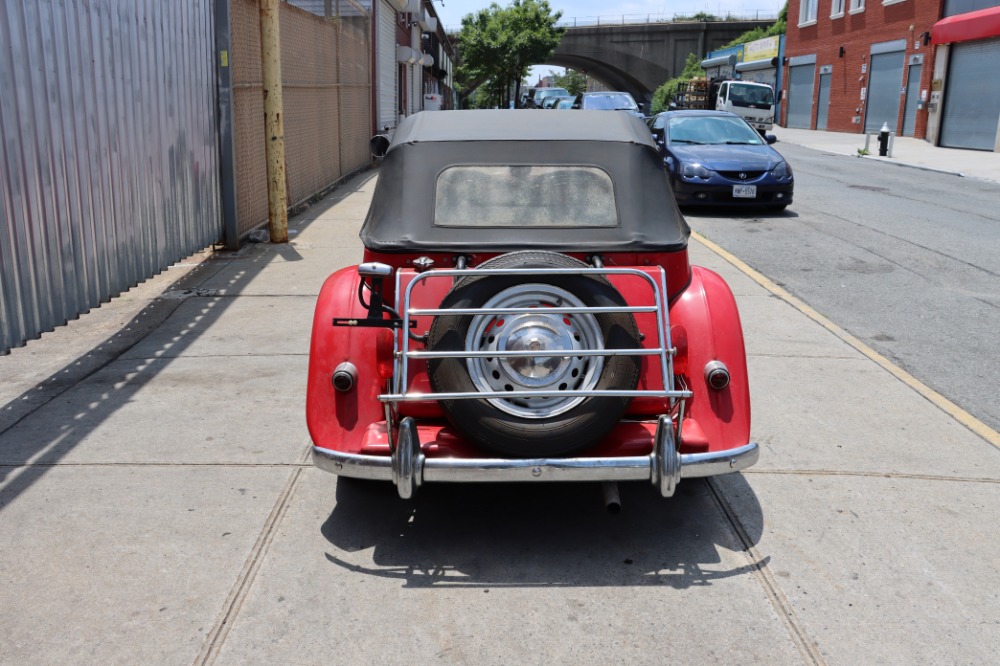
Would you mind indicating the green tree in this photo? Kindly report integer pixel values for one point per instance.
(499, 44)
(663, 95)
(573, 81)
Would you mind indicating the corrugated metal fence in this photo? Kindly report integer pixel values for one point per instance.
(109, 165)
(326, 81)
(109, 138)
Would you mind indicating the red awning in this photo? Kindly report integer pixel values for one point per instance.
(980, 24)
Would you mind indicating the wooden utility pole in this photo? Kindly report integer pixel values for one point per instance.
(274, 126)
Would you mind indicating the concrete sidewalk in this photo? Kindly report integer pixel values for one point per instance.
(157, 505)
(906, 151)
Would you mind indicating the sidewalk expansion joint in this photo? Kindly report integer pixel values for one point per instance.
(872, 475)
(812, 357)
(201, 356)
(184, 294)
(775, 595)
(216, 637)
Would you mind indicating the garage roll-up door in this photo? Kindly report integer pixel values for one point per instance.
(385, 78)
(972, 96)
(885, 81)
(800, 95)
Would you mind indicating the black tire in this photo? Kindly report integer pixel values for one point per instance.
(510, 435)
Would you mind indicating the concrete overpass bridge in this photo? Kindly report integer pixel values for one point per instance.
(638, 58)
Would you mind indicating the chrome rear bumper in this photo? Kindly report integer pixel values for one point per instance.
(408, 468)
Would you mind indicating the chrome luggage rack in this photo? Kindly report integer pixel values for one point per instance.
(403, 351)
(408, 467)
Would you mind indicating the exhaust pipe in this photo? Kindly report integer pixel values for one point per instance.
(345, 376)
(612, 501)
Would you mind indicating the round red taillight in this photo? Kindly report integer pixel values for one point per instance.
(678, 338)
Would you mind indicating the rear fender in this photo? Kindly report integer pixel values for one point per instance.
(705, 326)
(339, 420)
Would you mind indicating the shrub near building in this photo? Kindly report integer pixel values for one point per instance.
(668, 91)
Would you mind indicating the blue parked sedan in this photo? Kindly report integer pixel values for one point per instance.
(716, 158)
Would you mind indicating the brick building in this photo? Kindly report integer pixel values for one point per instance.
(925, 68)
(853, 65)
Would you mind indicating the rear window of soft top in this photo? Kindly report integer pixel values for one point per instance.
(524, 196)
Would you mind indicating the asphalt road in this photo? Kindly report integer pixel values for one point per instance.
(905, 259)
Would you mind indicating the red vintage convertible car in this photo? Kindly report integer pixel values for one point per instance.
(526, 311)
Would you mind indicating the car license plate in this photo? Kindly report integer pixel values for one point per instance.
(745, 191)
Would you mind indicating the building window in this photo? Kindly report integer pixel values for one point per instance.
(837, 9)
(857, 6)
(807, 12)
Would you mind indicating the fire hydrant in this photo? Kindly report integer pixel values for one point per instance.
(883, 140)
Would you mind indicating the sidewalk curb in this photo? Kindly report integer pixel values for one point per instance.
(891, 160)
(886, 160)
(976, 165)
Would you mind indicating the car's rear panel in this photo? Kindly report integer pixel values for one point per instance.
(703, 326)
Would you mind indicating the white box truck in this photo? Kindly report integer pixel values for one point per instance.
(754, 102)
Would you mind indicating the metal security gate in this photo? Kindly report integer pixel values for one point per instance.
(800, 95)
(885, 79)
(972, 96)
(109, 169)
(823, 101)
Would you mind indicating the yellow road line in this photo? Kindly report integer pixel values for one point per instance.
(941, 402)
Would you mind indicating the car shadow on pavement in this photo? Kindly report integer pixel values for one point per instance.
(510, 535)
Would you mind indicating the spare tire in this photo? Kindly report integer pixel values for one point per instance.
(534, 426)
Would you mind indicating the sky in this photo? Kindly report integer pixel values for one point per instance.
(452, 11)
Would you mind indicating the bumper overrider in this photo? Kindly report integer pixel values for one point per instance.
(408, 468)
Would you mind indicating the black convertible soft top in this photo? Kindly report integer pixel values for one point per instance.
(402, 214)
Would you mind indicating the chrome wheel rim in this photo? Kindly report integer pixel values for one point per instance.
(554, 335)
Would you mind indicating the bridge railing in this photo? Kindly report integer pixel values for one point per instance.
(640, 19)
